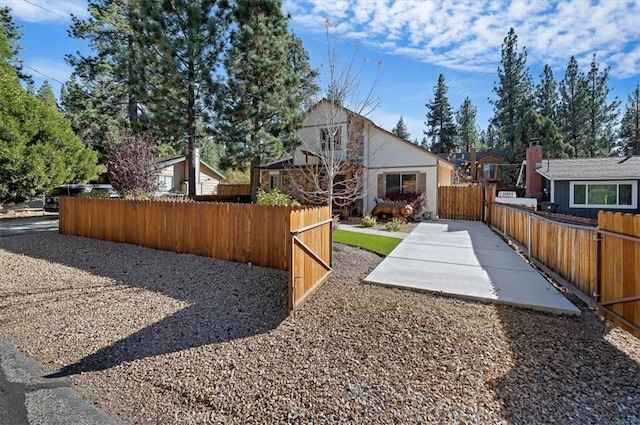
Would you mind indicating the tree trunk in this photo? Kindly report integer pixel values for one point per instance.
(191, 129)
(255, 177)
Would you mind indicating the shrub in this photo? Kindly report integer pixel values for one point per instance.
(368, 221)
(275, 197)
(394, 225)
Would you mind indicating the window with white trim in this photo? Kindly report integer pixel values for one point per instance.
(166, 182)
(603, 194)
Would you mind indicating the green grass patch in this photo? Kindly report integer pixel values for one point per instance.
(379, 244)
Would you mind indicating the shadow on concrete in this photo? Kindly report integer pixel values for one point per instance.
(226, 300)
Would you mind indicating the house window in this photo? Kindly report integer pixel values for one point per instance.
(604, 194)
(331, 138)
(339, 183)
(274, 181)
(401, 183)
(166, 182)
(490, 171)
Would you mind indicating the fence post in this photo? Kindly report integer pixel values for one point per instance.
(529, 235)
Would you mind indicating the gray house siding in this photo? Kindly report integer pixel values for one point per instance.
(561, 197)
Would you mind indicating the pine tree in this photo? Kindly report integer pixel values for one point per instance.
(440, 125)
(13, 37)
(424, 143)
(46, 95)
(466, 121)
(264, 96)
(546, 95)
(601, 113)
(630, 123)
(489, 138)
(400, 130)
(104, 92)
(513, 90)
(572, 112)
(298, 58)
(186, 39)
(535, 126)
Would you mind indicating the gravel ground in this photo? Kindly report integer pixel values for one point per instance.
(155, 338)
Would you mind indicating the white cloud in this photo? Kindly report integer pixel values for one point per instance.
(468, 35)
(36, 11)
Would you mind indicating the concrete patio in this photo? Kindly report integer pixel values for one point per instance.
(466, 259)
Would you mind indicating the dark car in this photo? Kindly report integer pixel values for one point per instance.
(51, 199)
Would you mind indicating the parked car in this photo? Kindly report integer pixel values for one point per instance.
(51, 199)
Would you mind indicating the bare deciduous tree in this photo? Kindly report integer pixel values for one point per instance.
(334, 172)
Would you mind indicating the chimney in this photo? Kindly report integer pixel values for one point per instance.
(534, 183)
(629, 151)
(474, 166)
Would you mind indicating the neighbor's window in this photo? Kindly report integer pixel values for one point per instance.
(274, 181)
(401, 183)
(490, 171)
(166, 182)
(329, 137)
(619, 194)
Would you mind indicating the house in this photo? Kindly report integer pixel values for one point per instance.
(174, 175)
(384, 162)
(583, 186)
(487, 170)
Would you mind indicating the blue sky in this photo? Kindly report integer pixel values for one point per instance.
(415, 41)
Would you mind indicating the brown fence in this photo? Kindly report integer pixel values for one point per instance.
(599, 262)
(234, 189)
(461, 202)
(257, 234)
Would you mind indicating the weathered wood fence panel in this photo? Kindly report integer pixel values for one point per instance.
(461, 202)
(257, 234)
(234, 189)
(620, 267)
(608, 275)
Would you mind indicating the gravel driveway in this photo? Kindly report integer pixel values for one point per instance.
(156, 337)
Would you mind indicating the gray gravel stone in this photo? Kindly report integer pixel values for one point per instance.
(157, 337)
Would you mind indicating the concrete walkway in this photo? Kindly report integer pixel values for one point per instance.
(467, 260)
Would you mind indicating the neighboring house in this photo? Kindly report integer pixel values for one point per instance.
(174, 175)
(487, 166)
(583, 186)
(387, 162)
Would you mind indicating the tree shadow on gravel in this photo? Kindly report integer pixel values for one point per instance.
(226, 300)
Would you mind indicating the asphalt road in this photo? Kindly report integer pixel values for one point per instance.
(22, 226)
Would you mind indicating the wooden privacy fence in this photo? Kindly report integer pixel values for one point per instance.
(464, 202)
(257, 234)
(601, 264)
(234, 189)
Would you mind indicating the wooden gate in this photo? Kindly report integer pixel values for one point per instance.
(310, 258)
(461, 202)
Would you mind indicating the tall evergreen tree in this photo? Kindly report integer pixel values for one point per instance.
(572, 112)
(601, 113)
(46, 95)
(13, 37)
(401, 130)
(105, 88)
(38, 149)
(546, 95)
(298, 58)
(489, 138)
(513, 90)
(630, 123)
(263, 101)
(535, 126)
(185, 40)
(440, 125)
(466, 120)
